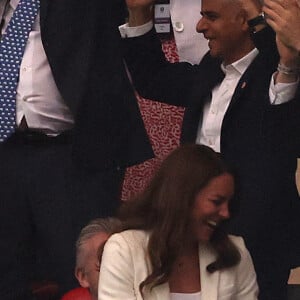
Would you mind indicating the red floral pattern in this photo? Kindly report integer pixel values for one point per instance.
(163, 125)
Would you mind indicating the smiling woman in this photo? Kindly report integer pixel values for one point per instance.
(174, 243)
(211, 206)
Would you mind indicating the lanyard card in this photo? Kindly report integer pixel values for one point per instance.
(162, 18)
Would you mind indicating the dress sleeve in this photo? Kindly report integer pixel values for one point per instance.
(116, 279)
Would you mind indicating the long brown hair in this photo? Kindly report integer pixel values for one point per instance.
(164, 208)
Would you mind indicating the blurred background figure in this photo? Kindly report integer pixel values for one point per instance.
(89, 248)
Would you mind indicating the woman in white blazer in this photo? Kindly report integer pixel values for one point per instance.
(174, 246)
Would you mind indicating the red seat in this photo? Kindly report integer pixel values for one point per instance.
(77, 294)
(44, 290)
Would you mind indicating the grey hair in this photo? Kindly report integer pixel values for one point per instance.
(107, 225)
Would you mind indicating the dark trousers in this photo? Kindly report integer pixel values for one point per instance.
(45, 199)
(272, 279)
(271, 258)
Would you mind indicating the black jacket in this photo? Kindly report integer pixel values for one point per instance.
(82, 44)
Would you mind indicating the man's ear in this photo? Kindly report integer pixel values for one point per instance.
(244, 20)
(80, 275)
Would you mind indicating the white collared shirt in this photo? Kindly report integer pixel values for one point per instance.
(37, 95)
(209, 130)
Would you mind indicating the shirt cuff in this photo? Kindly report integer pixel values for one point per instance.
(128, 32)
(280, 93)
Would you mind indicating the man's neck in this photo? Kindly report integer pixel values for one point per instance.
(244, 49)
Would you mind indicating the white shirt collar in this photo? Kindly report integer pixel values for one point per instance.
(242, 64)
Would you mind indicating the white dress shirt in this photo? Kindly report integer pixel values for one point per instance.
(209, 130)
(38, 98)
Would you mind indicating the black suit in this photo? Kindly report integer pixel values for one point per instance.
(83, 47)
(258, 139)
(49, 190)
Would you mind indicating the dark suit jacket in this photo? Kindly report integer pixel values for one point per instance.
(256, 137)
(82, 43)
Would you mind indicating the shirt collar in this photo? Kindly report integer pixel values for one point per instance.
(242, 64)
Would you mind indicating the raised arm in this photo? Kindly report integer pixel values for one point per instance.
(152, 75)
(284, 18)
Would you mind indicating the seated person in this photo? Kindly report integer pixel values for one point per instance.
(174, 245)
(88, 252)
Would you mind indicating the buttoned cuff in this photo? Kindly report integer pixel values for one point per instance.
(280, 93)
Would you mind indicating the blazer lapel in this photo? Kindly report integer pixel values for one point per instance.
(43, 11)
(244, 82)
(209, 281)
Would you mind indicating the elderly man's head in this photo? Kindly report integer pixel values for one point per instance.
(88, 250)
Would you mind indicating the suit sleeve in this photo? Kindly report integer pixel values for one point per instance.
(247, 288)
(265, 41)
(154, 77)
(116, 273)
(281, 121)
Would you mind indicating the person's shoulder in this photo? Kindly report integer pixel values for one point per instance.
(132, 237)
(238, 241)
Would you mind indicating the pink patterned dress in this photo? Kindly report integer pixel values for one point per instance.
(163, 125)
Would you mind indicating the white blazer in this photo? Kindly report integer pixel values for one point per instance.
(125, 264)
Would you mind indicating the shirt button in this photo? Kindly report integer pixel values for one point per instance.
(178, 26)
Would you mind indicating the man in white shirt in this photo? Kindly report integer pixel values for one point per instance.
(78, 127)
(240, 105)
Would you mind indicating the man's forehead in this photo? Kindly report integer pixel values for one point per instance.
(220, 6)
(219, 3)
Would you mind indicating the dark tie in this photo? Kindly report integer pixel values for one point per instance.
(12, 48)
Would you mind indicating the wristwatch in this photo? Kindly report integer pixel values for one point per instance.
(260, 19)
